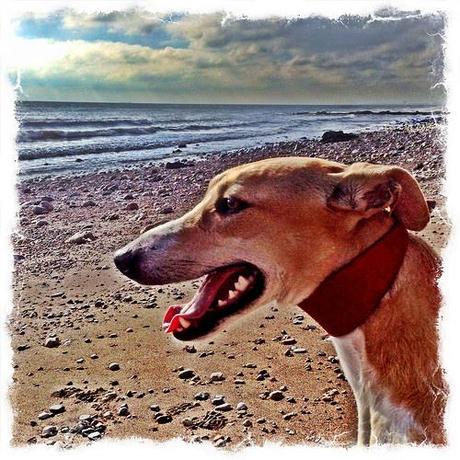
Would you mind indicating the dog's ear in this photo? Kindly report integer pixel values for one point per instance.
(367, 189)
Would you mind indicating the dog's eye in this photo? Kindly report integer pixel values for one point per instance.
(230, 205)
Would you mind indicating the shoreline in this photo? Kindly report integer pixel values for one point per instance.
(73, 292)
(209, 156)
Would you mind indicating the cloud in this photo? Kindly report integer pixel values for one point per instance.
(388, 56)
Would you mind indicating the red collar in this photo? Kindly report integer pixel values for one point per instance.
(347, 297)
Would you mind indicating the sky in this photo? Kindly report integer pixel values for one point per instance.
(139, 56)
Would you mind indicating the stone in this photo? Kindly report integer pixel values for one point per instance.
(57, 409)
(175, 165)
(202, 396)
(241, 406)
(218, 400)
(44, 415)
(224, 407)
(81, 238)
(94, 435)
(114, 366)
(276, 395)
(49, 431)
(133, 206)
(39, 210)
(337, 136)
(163, 418)
(186, 374)
(167, 210)
(52, 342)
(217, 377)
(123, 411)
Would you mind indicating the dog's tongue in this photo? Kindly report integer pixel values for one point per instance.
(205, 297)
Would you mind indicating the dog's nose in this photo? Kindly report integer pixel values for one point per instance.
(126, 261)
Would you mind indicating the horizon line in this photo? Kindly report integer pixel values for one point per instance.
(232, 103)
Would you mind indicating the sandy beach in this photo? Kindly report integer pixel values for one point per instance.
(90, 358)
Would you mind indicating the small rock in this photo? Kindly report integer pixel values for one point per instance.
(276, 395)
(218, 400)
(217, 377)
(94, 435)
(39, 210)
(162, 419)
(241, 406)
(133, 206)
(52, 342)
(57, 409)
(81, 238)
(224, 407)
(337, 136)
(123, 411)
(186, 374)
(114, 366)
(49, 431)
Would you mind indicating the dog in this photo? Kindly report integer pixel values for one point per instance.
(334, 240)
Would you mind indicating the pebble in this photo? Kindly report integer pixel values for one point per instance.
(57, 409)
(44, 415)
(114, 366)
(52, 342)
(299, 350)
(218, 400)
(202, 396)
(186, 374)
(81, 238)
(49, 431)
(289, 341)
(133, 206)
(162, 419)
(224, 407)
(276, 395)
(39, 210)
(241, 406)
(123, 411)
(217, 377)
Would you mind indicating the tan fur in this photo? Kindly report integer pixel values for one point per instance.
(307, 217)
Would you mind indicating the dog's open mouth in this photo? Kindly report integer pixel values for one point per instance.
(223, 292)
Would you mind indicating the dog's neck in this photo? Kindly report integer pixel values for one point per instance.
(347, 297)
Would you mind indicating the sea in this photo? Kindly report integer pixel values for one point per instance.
(63, 138)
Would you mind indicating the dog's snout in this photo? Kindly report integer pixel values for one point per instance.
(126, 261)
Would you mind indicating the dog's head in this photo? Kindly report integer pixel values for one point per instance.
(270, 230)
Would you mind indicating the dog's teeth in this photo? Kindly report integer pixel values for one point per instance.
(185, 323)
(242, 283)
(232, 294)
(221, 303)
